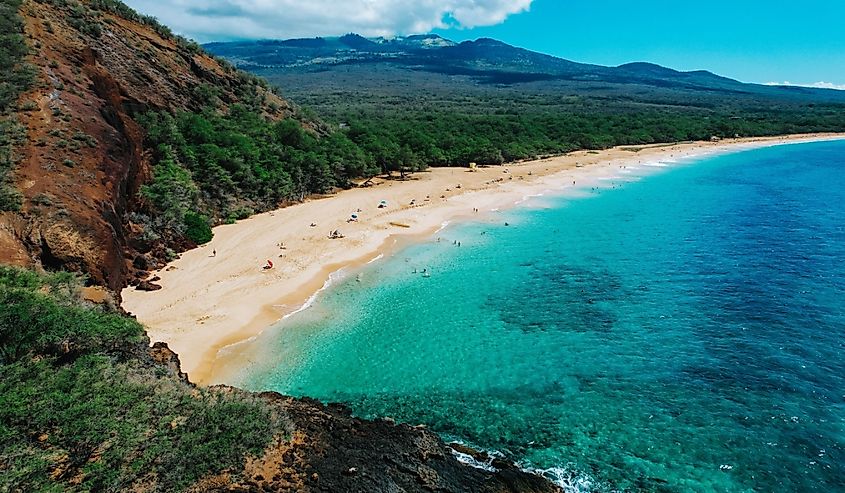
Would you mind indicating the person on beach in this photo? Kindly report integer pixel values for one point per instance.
(268, 265)
(214, 253)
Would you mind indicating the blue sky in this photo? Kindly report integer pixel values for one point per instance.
(801, 42)
(753, 41)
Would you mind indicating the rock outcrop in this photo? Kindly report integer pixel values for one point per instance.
(330, 450)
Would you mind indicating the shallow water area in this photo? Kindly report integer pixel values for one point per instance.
(670, 326)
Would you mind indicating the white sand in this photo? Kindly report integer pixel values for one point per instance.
(208, 303)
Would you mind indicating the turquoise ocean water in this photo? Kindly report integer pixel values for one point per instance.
(680, 332)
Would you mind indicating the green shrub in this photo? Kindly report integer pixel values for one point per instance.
(79, 399)
(80, 136)
(28, 106)
(197, 228)
(42, 199)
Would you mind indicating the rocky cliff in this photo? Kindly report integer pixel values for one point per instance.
(97, 65)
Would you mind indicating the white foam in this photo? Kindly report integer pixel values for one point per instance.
(569, 481)
(380, 256)
(566, 478)
(473, 462)
(526, 198)
(334, 276)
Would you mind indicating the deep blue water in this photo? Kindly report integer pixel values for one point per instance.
(682, 332)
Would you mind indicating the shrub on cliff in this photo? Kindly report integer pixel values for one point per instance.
(16, 77)
(84, 408)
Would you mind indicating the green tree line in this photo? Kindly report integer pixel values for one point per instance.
(212, 167)
(218, 166)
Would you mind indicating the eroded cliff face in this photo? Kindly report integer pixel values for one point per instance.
(83, 160)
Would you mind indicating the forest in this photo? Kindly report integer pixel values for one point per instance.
(220, 166)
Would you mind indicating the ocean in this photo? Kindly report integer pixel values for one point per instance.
(679, 328)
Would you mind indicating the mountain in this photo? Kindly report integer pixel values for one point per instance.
(485, 60)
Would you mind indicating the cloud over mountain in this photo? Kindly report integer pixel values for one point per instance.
(817, 85)
(207, 20)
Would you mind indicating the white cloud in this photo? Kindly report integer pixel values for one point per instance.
(817, 85)
(207, 20)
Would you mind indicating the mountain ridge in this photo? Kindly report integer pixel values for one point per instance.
(482, 54)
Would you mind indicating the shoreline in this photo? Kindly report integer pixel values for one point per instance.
(209, 303)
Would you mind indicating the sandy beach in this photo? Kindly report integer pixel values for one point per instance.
(211, 301)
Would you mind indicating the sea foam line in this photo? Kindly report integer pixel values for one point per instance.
(568, 478)
(334, 276)
(526, 198)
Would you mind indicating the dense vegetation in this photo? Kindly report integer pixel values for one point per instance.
(83, 409)
(441, 138)
(441, 119)
(15, 78)
(227, 165)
